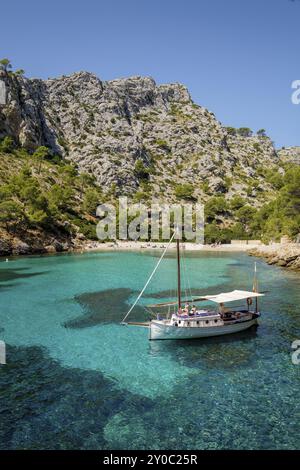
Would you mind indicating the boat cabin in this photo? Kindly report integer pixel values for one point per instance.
(192, 317)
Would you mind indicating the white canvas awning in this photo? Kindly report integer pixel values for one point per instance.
(231, 296)
(218, 298)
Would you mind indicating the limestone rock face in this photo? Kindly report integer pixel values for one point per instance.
(21, 248)
(287, 255)
(290, 155)
(106, 126)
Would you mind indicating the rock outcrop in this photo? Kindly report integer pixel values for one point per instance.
(290, 155)
(106, 126)
(287, 256)
(34, 242)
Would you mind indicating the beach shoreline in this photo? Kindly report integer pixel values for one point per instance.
(283, 255)
(149, 246)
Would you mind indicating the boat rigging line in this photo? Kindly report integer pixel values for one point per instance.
(123, 322)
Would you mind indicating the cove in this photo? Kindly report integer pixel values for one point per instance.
(66, 350)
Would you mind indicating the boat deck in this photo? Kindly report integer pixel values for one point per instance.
(198, 314)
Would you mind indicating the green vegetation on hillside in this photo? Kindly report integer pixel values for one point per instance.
(273, 220)
(42, 192)
(6, 66)
(184, 191)
(245, 132)
(141, 171)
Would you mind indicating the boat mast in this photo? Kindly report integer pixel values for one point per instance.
(255, 287)
(178, 275)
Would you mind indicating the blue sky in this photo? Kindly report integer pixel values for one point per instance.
(237, 57)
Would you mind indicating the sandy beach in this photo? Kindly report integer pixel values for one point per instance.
(138, 245)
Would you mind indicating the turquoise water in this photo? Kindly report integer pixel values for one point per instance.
(75, 378)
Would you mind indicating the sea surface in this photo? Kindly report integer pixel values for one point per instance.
(77, 379)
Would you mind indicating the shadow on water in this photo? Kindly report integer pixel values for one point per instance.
(228, 351)
(13, 274)
(6, 287)
(70, 415)
(105, 307)
(111, 305)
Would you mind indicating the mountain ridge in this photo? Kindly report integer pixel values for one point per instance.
(106, 126)
(97, 140)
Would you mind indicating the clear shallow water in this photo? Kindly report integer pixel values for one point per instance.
(75, 378)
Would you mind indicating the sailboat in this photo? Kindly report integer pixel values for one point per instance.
(191, 322)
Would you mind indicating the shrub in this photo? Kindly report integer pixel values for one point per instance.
(214, 233)
(163, 145)
(88, 229)
(7, 145)
(244, 132)
(141, 196)
(215, 206)
(11, 214)
(40, 154)
(275, 179)
(237, 202)
(91, 201)
(245, 215)
(257, 147)
(231, 130)
(140, 171)
(184, 191)
(261, 133)
(5, 64)
(205, 187)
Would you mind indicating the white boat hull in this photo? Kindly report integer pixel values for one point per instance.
(160, 330)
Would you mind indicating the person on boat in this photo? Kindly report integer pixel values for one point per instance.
(186, 309)
(193, 310)
(223, 311)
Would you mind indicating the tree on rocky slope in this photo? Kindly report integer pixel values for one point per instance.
(140, 171)
(245, 132)
(40, 154)
(84, 180)
(261, 133)
(5, 64)
(91, 201)
(11, 214)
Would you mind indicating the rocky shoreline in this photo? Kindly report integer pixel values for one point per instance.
(35, 242)
(287, 256)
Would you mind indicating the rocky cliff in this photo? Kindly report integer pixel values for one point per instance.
(107, 126)
(290, 155)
